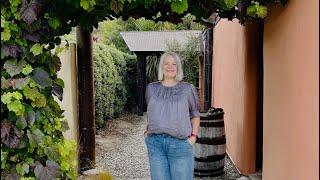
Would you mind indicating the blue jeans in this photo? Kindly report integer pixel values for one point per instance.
(170, 158)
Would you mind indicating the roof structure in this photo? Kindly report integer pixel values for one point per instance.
(156, 40)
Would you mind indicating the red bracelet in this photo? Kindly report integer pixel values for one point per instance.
(192, 134)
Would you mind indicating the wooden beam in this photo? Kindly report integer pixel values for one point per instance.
(86, 99)
(259, 114)
(142, 81)
(208, 68)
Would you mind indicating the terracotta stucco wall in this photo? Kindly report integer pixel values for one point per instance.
(291, 92)
(234, 89)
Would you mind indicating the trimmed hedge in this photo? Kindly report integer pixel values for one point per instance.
(110, 70)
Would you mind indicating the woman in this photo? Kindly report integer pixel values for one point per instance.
(173, 120)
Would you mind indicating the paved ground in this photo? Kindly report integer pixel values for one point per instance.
(121, 151)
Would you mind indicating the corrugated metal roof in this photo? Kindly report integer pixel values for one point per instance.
(156, 40)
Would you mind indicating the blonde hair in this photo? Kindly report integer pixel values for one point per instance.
(175, 56)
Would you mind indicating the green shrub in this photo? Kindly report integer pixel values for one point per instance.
(152, 68)
(190, 58)
(120, 88)
(131, 82)
(110, 70)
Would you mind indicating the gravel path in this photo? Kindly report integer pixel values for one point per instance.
(121, 150)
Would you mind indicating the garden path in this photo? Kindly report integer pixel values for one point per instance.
(121, 151)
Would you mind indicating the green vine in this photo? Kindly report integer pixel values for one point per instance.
(32, 124)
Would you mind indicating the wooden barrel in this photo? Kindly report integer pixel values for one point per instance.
(210, 147)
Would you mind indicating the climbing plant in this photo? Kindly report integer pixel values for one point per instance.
(32, 124)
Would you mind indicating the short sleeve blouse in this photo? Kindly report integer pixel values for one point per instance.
(170, 109)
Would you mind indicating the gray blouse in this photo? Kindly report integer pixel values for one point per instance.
(170, 109)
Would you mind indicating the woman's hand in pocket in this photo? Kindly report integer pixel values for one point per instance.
(145, 133)
(192, 140)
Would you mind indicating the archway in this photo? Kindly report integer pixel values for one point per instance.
(30, 31)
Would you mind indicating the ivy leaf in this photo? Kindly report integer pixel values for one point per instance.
(14, 68)
(21, 123)
(3, 55)
(54, 23)
(10, 135)
(5, 83)
(87, 4)
(262, 11)
(30, 93)
(46, 15)
(31, 140)
(65, 125)
(12, 100)
(230, 3)
(32, 37)
(41, 77)
(116, 6)
(12, 50)
(13, 176)
(36, 49)
(21, 42)
(8, 97)
(55, 64)
(3, 21)
(255, 9)
(29, 161)
(5, 129)
(14, 158)
(51, 171)
(27, 69)
(38, 136)
(28, 11)
(14, 27)
(4, 157)
(57, 91)
(5, 34)
(179, 6)
(22, 169)
(16, 107)
(59, 49)
(40, 101)
(30, 117)
(14, 2)
(23, 142)
(31, 28)
(60, 82)
(52, 152)
(35, 137)
(33, 84)
(251, 10)
(55, 107)
(20, 83)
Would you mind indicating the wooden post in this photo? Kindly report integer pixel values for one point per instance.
(259, 123)
(86, 99)
(208, 68)
(142, 81)
(201, 82)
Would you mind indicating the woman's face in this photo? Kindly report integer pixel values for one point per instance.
(169, 67)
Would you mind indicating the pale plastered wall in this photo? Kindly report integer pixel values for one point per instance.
(68, 73)
(291, 92)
